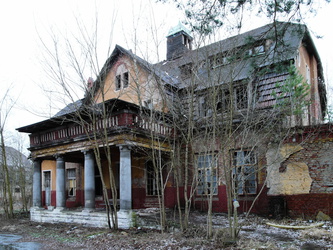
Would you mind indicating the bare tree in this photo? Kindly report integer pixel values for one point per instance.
(6, 106)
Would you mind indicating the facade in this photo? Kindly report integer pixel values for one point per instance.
(201, 121)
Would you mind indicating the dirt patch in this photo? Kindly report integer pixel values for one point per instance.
(254, 234)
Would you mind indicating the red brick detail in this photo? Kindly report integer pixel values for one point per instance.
(308, 205)
(220, 204)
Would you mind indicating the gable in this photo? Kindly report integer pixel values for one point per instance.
(127, 80)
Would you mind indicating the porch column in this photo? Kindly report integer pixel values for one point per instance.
(89, 180)
(61, 183)
(125, 178)
(37, 184)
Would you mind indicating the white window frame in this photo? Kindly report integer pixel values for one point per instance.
(207, 180)
(244, 172)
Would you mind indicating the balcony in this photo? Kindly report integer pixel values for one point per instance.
(125, 122)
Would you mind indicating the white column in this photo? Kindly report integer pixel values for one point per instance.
(89, 180)
(60, 183)
(125, 177)
(37, 184)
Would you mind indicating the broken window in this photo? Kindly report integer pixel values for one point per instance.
(118, 82)
(219, 60)
(71, 182)
(125, 80)
(223, 103)
(244, 172)
(241, 97)
(258, 49)
(122, 81)
(151, 179)
(148, 104)
(207, 174)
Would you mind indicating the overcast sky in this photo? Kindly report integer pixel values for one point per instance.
(22, 22)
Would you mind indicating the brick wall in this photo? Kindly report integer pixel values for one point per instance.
(317, 153)
(308, 205)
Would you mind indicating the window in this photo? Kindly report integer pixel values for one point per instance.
(308, 75)
(207, 174)
(203, 107)
(148, 104)
(71, 182)
(244, 172)
(118, 82)
(219, 60)
(151, 179)
(186, 41)
(122, 81)
(241, 97)
(223, 103)
(257, 50)
(125, 80)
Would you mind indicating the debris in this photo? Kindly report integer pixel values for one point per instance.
(295, 227)
(322, 217)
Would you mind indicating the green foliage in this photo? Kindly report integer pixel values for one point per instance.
(291, 98)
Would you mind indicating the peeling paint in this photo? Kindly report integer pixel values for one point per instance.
(295, 179)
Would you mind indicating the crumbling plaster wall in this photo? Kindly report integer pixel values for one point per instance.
(286, 177)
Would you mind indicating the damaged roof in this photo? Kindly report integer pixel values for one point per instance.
(285, 40)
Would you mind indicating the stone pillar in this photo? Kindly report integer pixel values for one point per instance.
(89, 180)
(37, 184)
(60, 183)
(125, 177)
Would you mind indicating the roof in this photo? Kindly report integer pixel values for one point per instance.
(179, 28)
(15, 158)
(151, 68)
(66, 115)
(286, 39)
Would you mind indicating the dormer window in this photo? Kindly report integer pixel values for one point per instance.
(257, 50)
(122, 81)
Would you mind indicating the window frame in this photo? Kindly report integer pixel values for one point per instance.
(241, 97)
(152, 187)
(122, 81)
(125, 80)
(204, 175)
(71, 182)
(241, 165)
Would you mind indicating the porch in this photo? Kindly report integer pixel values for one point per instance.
(96, 218)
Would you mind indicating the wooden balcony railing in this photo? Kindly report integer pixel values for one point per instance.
(114, 123)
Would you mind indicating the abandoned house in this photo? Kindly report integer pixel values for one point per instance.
(229, 120)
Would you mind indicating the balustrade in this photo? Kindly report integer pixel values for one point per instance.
(122, 120)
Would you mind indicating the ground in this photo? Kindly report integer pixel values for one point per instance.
(254, 234)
